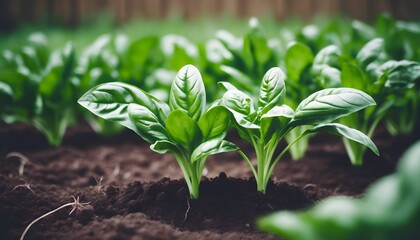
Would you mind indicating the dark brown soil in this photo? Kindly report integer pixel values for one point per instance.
(142, 194)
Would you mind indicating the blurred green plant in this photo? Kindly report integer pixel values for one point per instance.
(390, 209)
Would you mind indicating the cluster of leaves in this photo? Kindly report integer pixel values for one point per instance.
(328, 54)
(38, 87)
(390, 209)
(265, 124)
(184, 128)
(192, 132)
(392, 83)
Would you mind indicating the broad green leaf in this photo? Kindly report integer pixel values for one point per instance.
(298, 57)
(330, 77)
(256, 45)
(6, 94)
(370, 52)
(353, 77)
(286, 224)
(238, 101)
(228, 40)
(216, 52)
(110, 101)
(272, 90)
(344, 131)
(241, 106)
(279, 111)
(214, 122)
(328, 56)
(183, 129)
(212, 147)
(330, 104)
(239, 78)
(147, 123)
(333, 218)
(275, 120)
(164, 146)
(226, 86)
(403, 74)
(410, 167)
(188, 93)
(140, 51)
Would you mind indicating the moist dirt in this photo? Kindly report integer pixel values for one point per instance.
(134, 193)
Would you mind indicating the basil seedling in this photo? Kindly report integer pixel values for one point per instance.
(184, 127)
(265, 124)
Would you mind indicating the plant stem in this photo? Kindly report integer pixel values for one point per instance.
(274, 163)
(250, 164)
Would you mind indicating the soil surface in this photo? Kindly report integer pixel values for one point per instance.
(134, 193)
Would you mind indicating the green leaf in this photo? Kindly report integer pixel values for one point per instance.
(273, 89)
(214, 122)
(285, 224)
(344, 131)
(352, 77)
(212, 147)
(140, 51)
(370, 52)
(328, 56)
(275, 120)
(188, 93)
(147, 123)
(329, 219)
(403, 74)
(164, 146)
(330, 77)
(330, 104)
(241, 106)
(279, 111)
(238, 78)
(6, 94)
(255, 45)
(110, 101)
(410, 167)
(183, 129)
(298, 57)
(226, 86)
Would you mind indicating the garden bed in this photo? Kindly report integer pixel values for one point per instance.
(141, 194)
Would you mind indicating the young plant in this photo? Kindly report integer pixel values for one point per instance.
(265, 124)
(42, 84)
(183, 127)
(298, 61)
(389, 82)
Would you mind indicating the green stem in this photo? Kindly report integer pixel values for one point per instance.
(355, 151)
(189, 175)
(250, 164)
(274, 163)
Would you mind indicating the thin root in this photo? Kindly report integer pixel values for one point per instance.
(76, 206)
(186, 212)
(22, 158)
(24, 185)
